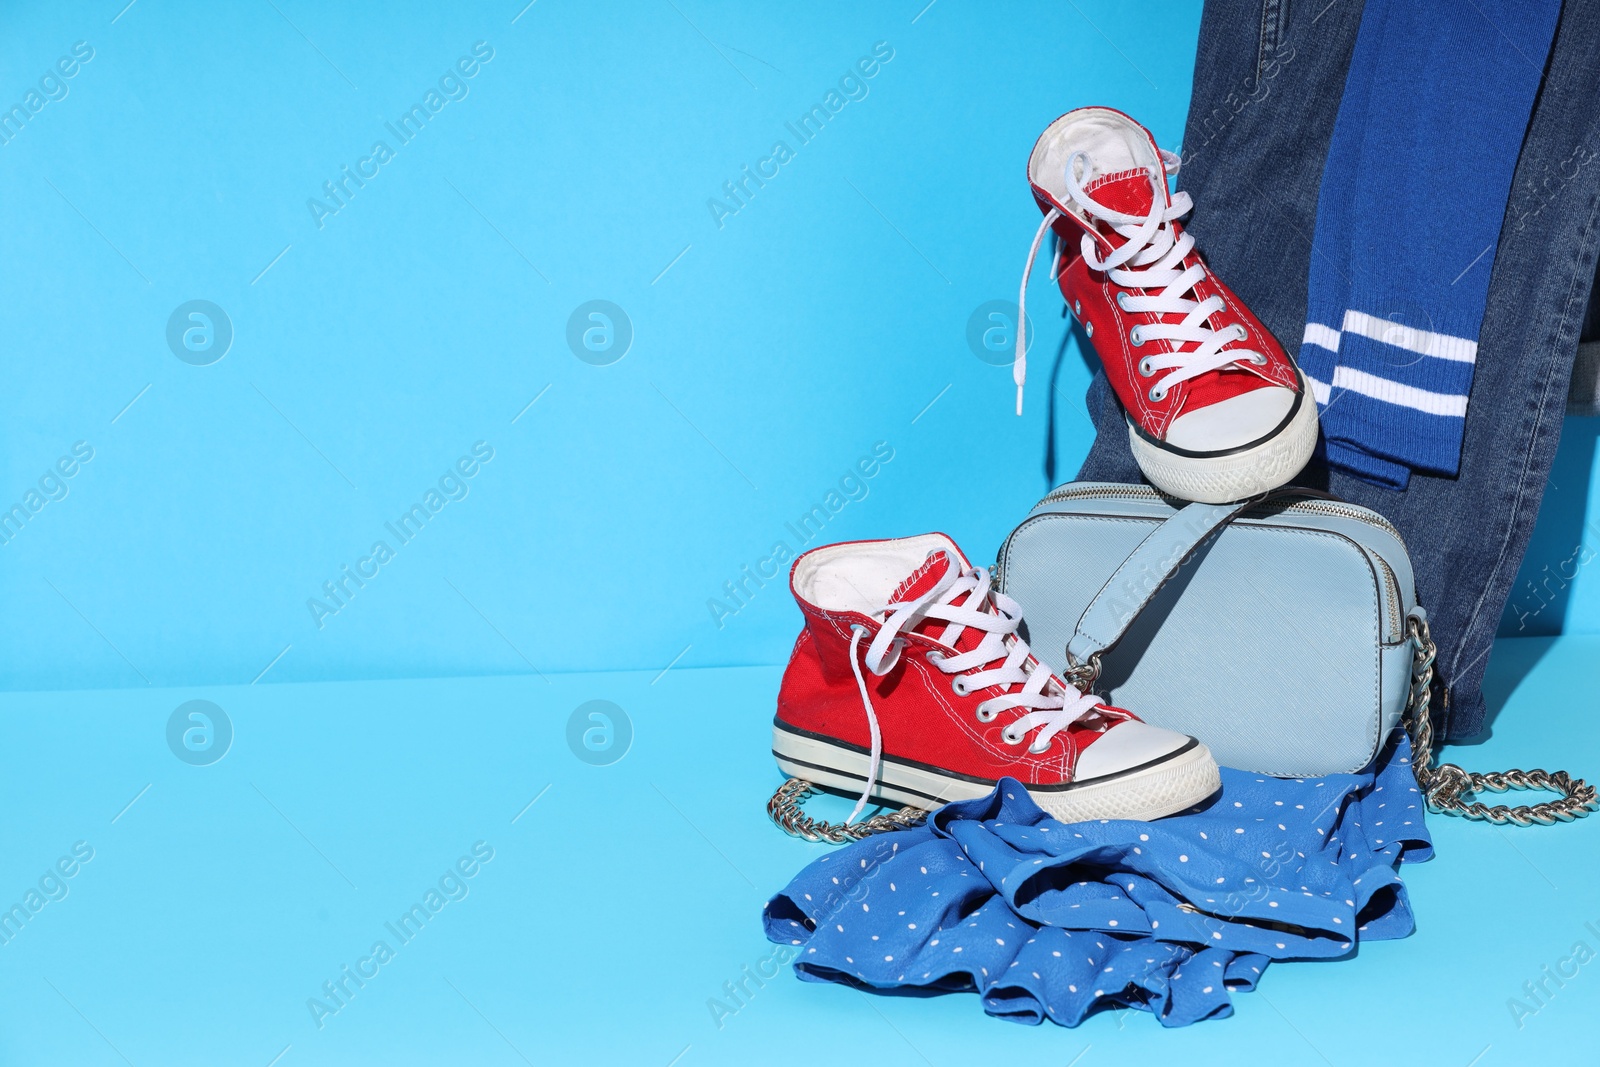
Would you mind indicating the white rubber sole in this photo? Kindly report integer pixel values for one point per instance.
(1162, 787)
(1236, 475)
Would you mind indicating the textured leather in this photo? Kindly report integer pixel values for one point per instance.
(1280, 642)
(1142, 574)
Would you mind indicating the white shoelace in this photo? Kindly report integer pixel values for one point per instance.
(1053, 706)
(1150, 245)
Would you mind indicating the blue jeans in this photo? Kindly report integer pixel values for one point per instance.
(1268, 78)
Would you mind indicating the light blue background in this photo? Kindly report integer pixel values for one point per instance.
(770, 354)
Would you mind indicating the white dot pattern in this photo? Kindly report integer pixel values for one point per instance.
(1172, 917)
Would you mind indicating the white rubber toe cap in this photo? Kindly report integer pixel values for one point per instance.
(1238, 420)
(1125, 746)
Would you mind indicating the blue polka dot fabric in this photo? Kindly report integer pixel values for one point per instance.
(1058, 920)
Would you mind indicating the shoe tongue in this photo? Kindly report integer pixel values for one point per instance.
(922, 579)
(1128, 191)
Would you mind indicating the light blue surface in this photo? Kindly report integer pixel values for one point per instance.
(619, 903)
(369, 355)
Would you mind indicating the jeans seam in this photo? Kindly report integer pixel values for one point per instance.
(1563, 326)
(1271, 32)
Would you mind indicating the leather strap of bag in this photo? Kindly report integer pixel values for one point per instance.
(1136, 582)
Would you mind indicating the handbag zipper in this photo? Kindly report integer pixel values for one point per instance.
(1070, 493)
(1329, 507)
(1325, 507)
(1391, 584)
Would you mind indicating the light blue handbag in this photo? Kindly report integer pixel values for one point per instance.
(1282, 632)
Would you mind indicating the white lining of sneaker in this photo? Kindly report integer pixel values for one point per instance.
(875, 570)
(1111, 140)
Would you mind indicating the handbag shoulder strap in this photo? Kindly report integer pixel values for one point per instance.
(1447, 787)
(1137, 580)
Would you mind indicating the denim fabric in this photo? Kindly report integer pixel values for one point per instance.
(1259, 125)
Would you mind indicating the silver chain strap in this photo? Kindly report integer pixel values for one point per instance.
(785, 810)
(1445, 786)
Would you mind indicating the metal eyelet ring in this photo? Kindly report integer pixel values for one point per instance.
(1121, 298)
(985, 713)
(958, 686)
(1088, 329)
(891, 656)
(1145, 368)
(1240, 332)
(1157, 395)
(1259, 359)
(1077, 308)
(1009, 738)
(1136, 337)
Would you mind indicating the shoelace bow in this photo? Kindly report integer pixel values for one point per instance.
(1053, 705)
(1149, 244)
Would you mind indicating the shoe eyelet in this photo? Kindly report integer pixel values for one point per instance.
(958, 686)
(1009, 738)
(985, 713)
(1077, 308)
(1136, 337)
(935, 657)
(1145, 368)
(1088, 329)
(1157, 395)
(1259, 359)
(1122, 301)
(1240, 332)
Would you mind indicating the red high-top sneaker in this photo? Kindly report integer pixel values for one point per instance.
(1216, 410)
(910, 684)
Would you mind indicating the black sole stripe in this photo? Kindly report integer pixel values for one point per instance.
(986, 782)
(859, 778)
(1294, 409)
